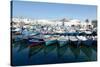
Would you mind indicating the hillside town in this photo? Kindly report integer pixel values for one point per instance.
(50, 31)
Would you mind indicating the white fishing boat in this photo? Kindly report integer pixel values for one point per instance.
(62, 40)
(82, 38)
(88, 32)
(85, 41)
(73, 40)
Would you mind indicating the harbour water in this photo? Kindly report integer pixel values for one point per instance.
(23, 54)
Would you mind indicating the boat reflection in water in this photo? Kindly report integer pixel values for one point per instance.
(47, 49)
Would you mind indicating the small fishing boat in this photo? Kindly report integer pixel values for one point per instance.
(17, 37)
(35, 41)
(73, 40)
(16, 31)
(82, 33)
(88, 32)
(85, 41)
(50, 40)
(62, 40)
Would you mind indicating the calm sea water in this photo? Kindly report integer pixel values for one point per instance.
(22, 54)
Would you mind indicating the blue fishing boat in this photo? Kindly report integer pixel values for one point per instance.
(17, 37)
(35, 41)
(50, 41)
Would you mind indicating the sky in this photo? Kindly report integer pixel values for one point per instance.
(42, 10)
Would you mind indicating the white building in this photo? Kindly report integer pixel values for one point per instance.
(74, 22)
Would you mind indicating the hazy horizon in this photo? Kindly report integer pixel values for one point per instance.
(51, 11)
